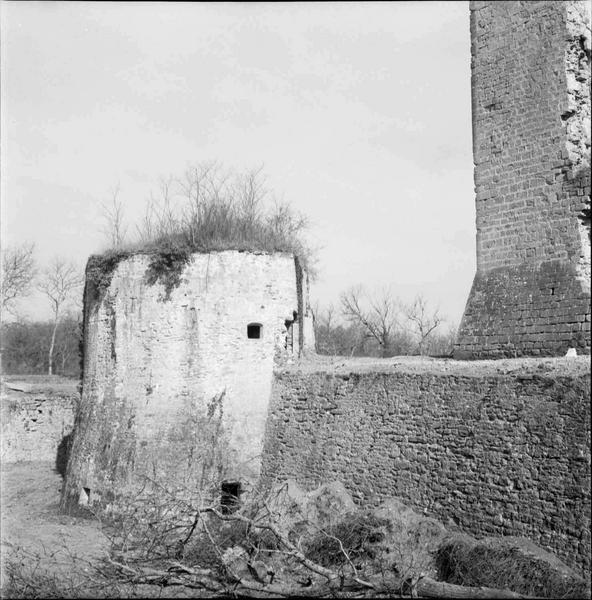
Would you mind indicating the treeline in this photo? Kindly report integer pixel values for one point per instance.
(381, 325)
(219, 209)
(351, 340)
(25, 344)
(37, 347)
(25, 347)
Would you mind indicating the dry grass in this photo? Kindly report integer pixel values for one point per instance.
(354, 537)
(207, 209)
(503, 566)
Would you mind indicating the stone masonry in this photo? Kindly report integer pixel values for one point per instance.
(175, 380)
(34, 425)
(531, 148)
(496, 451)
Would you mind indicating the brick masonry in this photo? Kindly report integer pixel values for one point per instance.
(531, 148)
(173, 383)
(495, 453)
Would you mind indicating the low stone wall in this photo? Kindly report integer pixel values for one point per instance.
(34, 425)
(498, 451)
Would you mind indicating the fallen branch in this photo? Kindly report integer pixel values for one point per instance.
(335, 584)
(431, 588)
(293, 551)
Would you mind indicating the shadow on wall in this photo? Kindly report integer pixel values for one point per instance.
(62, 455)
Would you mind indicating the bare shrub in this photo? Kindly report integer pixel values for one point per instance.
(60, 283)
(55, 573)
(423, 320)
(18, 272)
(376, 314)
(468, 563)
(379, 324)
(208, 208)
(113, 214)
(211, 208)
(166, 541)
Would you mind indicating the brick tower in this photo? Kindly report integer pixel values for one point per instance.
(531, 147)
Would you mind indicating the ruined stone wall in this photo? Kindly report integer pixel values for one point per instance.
(531, 148)
(496, 451)
(172, 383)
(34, 425)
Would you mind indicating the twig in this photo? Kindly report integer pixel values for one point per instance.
(330, 575)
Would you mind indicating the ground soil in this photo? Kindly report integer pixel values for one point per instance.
(62, 555)
(32, 528)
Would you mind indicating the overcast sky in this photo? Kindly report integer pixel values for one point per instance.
(359, 112)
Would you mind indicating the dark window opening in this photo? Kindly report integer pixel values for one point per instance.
(552, 291)
(289, 324)
(289, 344)
(231, 491)
(254, 331)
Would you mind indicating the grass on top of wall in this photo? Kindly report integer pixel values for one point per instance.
(208, 209)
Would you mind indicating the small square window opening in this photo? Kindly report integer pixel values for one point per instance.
(254, 331)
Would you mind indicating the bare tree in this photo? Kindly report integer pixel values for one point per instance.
(113, 213)
(18, 272)
(335, 338)
(423, 320)
(323, 324)
(59, 283)
(377, 315)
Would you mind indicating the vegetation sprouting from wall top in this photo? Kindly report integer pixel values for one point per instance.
(207, 209)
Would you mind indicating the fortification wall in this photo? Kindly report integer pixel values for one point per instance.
(499, 449)
(34, 425)
(531, 148)
(173, 385)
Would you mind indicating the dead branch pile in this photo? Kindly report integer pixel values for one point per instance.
(281, 547)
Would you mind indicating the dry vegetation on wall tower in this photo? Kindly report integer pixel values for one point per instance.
(207, 209)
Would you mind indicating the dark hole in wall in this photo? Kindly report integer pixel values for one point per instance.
(289, 325)
(230, 499)
(254, 331)
(584, 217)
(62, 455)
(289, 341)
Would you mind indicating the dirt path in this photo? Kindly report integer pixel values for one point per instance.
(34, 531)
(54, 551)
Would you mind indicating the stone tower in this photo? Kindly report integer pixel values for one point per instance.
(531, 147)
(178, 367)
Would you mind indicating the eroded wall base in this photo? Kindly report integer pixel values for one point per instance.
(525, 310)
